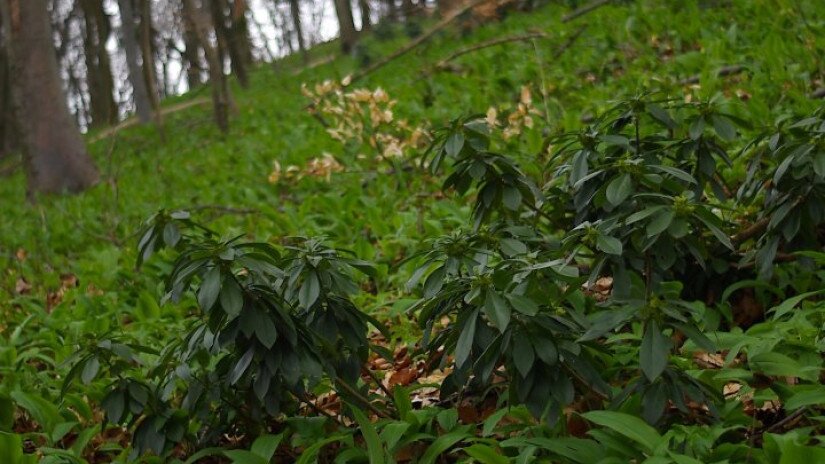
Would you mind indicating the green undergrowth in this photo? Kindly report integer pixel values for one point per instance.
(70, 280)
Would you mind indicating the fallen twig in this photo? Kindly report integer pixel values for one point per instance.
(491, 43)
(133, 121)
(584, 10)
(722, 72)
(225, 209)
(418, 41)
(503, 40)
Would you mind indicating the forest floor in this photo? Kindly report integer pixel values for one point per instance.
(69, 273)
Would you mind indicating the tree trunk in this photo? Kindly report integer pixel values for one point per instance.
(347, 33)
(143, 106)
(7, 138)
(54, 153)
(366, 21)
(147, 50)
(392, 10)
(220, 90)
(229, 41)
(98, 65)
(240, 32)
(295, 11)
(191, 53)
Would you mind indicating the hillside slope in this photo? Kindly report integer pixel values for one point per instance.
(69, 261)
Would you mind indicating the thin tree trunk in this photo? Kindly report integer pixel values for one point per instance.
(240, 31)
(143, 105)
(366, 21)
(54, 153)
(98, 65)
(295, 11)
(392, 10)
(191, 53)
(147, 54)
(228, 42)
(220, 90)
(7, 138)
(347, 32)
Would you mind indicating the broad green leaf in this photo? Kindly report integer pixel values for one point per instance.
(660, 222)
(777, 364)
(655, 351)
(90, 370)
(43, 411)
(812, 395)
(374, 449)
(626, 425)
(609, 245)
(310, 290)
(244, 457)
(497, 310)
(723, 127)
(241, 366)
(231, 297)
(454, 143)
(392, 433)
(523, 304)
(485, 454)
(523, 355)
(443, 443)
(465, 340)
(209, 289)
(619, 189)
(266, 445)
(789, 304)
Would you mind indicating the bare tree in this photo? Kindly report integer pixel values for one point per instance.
(366, 21)
(191, 53)
(7, 139)
(143, 105)
(392, 10)
(230, 39)
(147, 52)
(101, 85)
(54, 153)
(295, 11)
(220, 90)
(347, 32)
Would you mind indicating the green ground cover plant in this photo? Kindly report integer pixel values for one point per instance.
(589, 247)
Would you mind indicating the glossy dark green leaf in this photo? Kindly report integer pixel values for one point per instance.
(241, 366)
(609, 245)
(497, 310)
(619, 189)
(660, 222)
(464, 345)
(655, 351)
(310, 290)
(231, 297)
(210, 288)
(523, 355)
(523, 304)
(454, 143)
(723, 127)
(90, 370)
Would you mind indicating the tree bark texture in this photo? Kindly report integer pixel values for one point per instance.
(295, 12)
(220, 90)
(347, 32)
(143, 105)
(104, 109)
(55, 156)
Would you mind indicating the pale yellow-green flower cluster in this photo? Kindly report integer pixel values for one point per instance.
(364, 117)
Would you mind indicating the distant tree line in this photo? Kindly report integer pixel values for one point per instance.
(71, 64)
